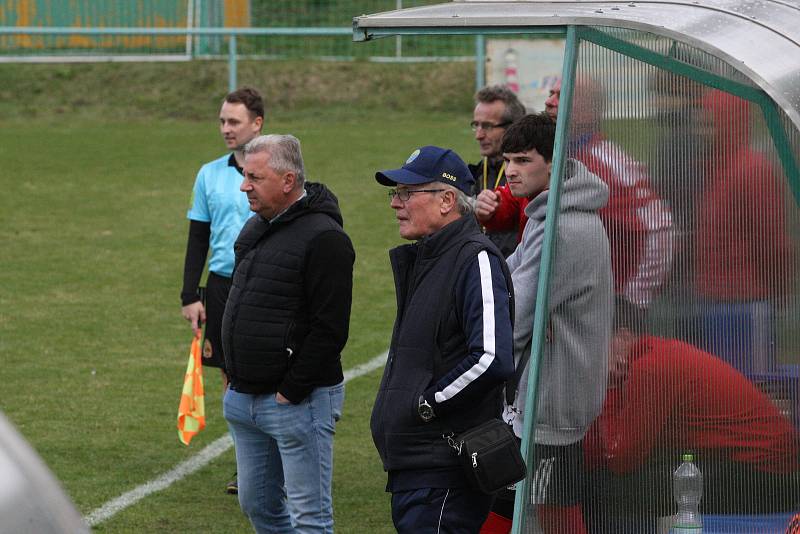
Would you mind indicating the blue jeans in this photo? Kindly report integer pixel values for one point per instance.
(284, 459)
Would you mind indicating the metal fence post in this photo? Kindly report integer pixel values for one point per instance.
(189, 24)
(398, 41)
(232, 63)
(480, 62)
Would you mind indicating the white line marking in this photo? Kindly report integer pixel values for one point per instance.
(197, 462)
(360, 370)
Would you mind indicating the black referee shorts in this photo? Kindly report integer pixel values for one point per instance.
(217, 289)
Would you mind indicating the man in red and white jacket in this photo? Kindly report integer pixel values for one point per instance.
(637, 221)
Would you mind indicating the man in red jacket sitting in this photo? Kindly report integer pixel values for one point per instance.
(666, 397)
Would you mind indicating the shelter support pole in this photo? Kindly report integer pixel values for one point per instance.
(523, 511)
(782, 145)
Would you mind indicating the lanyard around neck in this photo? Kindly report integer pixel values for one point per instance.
(486, 172)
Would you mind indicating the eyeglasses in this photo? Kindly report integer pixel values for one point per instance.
(405, 194)
(486, 126)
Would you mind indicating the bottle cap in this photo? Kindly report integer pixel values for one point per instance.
(688, 457)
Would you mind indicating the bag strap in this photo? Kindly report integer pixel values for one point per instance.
(451, 440)
(512, 384)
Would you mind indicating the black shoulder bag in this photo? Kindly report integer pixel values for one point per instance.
(490, 456)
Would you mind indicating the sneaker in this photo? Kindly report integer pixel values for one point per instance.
(232, 487)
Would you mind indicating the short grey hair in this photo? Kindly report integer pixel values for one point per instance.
(514, 109)
(284, 153)
(464, 203)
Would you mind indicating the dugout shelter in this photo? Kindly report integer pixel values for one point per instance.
(699, 102)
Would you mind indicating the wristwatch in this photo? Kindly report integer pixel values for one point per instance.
(425, 410)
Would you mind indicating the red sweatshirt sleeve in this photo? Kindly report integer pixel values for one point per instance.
(633, 420)
(510, 213)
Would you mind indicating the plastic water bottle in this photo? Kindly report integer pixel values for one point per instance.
(687, 488)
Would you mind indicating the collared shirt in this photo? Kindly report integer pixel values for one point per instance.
(301, 197)
(216, 199)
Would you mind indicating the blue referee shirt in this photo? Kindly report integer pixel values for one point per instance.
(216, 199)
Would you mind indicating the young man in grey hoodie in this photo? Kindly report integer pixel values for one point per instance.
(573, 367)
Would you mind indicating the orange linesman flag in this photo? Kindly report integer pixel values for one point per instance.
(192, 409)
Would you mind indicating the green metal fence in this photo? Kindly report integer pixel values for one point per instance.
(160, 14)
(89, 14)
(339, 13)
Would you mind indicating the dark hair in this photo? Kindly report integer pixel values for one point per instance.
(629, 315)
(514, 110)
(250, 98)
(537, 131)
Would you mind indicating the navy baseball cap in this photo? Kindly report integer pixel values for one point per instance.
(430, 164)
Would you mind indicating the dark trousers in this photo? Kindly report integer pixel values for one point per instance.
(216, 296)
(440, 511)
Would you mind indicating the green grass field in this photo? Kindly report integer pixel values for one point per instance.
(92, 344)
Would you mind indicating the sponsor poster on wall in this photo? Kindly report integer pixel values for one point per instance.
(530, 67)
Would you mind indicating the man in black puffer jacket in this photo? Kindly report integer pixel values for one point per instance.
(285, 325)
(451, 348)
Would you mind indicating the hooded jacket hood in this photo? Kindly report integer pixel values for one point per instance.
(582, 191)
(731, 122)
(318, 199)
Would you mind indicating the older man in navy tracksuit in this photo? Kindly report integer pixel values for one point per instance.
(451, 349)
